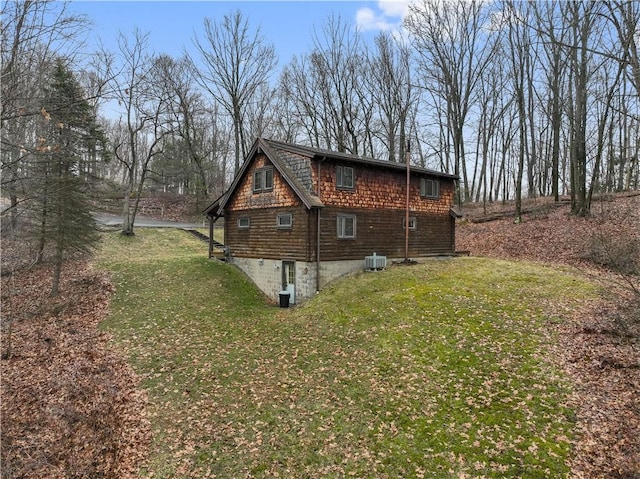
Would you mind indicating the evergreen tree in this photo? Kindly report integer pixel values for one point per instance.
(62, 208)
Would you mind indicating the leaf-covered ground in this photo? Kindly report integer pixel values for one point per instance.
(71, 407)
(599, 347)
(279, 404)
(441, 375)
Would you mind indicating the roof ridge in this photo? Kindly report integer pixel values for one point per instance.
(313, 151)
(294, 148)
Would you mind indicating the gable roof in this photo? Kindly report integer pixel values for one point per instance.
(363, 160)
(293, 162)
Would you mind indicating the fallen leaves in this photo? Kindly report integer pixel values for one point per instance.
(70, 407)
(597, 343)
(434, 373)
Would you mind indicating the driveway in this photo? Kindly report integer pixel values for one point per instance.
(144, 222)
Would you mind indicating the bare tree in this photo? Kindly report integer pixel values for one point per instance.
(236, 63)
(520, 56)
(455, 50)
(188, 114)
(581, 18)
(625, 17)
(336, 62)
(143, 124)
(390, 86)
(288, 123)
(261, 114)
(553, 34)
(493, 106)
(298, 84)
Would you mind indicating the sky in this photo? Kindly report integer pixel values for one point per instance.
(288, 24)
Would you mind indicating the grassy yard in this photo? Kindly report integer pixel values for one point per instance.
(434, 370)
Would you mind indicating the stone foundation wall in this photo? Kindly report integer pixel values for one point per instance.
(267, 274)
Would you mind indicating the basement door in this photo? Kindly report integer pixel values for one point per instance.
(289, 279)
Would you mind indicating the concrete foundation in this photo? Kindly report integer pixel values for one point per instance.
(267, 275)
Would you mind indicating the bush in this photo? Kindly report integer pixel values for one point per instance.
(619, 253)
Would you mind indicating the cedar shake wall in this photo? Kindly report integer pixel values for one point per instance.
(378, 201)
(281, 196)
(381, 188)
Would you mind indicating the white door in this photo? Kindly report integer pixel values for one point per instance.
(289, 279)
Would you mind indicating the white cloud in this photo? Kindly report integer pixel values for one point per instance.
(389, 15)
(367, 19)
(394, 8)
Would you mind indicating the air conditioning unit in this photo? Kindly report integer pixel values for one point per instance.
(375, 262)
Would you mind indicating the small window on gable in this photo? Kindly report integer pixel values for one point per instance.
(285, 220)
(413, 223)
(263, 180)
(243, 223)
(344, 177)
(346, 226)
(429, 188)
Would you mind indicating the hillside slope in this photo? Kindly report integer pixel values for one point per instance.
(550, 234)
(600, 349)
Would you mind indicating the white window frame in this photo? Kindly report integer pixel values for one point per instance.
(341, 226)
(287, 224)
(429, 188)
(413, 223)
(244, 226)
(340, 177)
(268, 174)
(260, 177)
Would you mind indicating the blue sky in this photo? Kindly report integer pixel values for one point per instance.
(289, 25)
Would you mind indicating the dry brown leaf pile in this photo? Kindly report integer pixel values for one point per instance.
(70, 405)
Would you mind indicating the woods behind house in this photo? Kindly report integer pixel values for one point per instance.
(519, 99)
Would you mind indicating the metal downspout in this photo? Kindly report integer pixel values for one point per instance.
(318, 229)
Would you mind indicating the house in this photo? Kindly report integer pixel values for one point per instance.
(297, 217)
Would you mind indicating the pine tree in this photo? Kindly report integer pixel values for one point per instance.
(69, 131)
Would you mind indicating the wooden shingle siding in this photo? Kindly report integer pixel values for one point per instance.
(263, 238)
(301, 185)
(381, 231)
(280, 196)
(380, 188)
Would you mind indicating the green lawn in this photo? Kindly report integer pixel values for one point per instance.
(436, 370)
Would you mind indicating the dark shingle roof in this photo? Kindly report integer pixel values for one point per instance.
(293, 162)
(312, 152)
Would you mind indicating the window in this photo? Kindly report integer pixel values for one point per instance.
(429, 188)
(263, 180)
(243, 223)
(413, 223)
(268, 178)
(285, 220)
(346, 226)
(344, 177)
